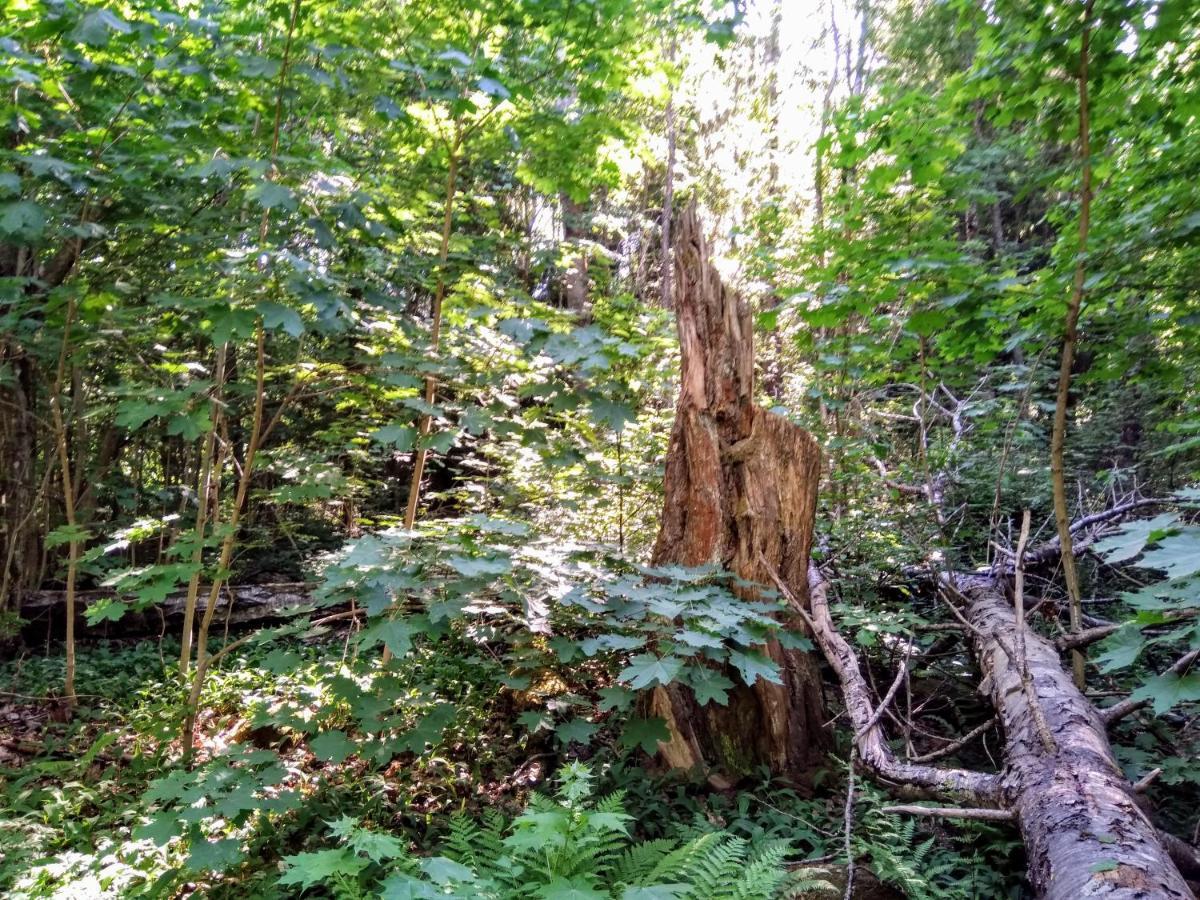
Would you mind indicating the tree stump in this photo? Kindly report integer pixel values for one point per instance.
(740, 489)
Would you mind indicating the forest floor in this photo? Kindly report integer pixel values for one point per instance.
(78, 795)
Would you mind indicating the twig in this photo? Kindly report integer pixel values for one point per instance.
(957, 745)
(891, 693)
(1142, 784)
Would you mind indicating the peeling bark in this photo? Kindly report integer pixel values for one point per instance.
(1084, 832)
(740, 491)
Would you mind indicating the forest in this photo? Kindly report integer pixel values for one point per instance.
(578, 449)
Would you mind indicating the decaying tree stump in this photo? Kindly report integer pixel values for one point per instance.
(740, 489)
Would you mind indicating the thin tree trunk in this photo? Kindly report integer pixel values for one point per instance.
(435, 338)
(1062, 516)
(668, 183)
(204, 489)
(61, 440)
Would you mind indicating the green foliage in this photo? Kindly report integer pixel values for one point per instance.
(570, 847)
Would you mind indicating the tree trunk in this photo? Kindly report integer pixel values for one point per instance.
(740, 491)
(20, 544)
(1084, 833)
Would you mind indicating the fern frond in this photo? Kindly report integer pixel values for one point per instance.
(639, 860)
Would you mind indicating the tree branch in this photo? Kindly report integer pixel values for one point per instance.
(904, 778)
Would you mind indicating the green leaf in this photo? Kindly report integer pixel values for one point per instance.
(106, 609)
(1131, 538)
(572, 889)
(1178, 555)
(277, 316)
(656, 892)
(269, 195)
(399, 436)
(709, 685)
(592, 646)
(312, 869)
(214, 856)
(96, 27)
(473, 567)
(22, 220)
(1121, 649)
(403, 886)
(280, 662)
(375, 846)
(441, 870)
(615, 698)
(578, 730)
(494, 88)
(754, 665)
(396, 634)
(615, 415)
(533, 720)
(645, 733)
(646, 669)
(331, 746)
(1168, 690)
(160, 829)
(430, 729)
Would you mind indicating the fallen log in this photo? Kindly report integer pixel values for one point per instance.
(1084, 832)
(45, 611)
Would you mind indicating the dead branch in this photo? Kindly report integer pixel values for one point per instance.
(905, 778)
(953, 812)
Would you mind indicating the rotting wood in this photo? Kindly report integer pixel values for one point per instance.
(740, 487)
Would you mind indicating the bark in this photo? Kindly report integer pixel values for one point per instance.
(740, 491)
(1085, 834)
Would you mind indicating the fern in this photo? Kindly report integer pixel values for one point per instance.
(638, 861)
(573, 845)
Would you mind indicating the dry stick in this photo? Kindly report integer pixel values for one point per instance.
(957, 745)
(239, 501)
(1039, 715)
(1070, 337)
(991, 815)
(207, 662)
(68, 487)
(669, 183)
(435, 337)
(205, 488)
(14, 537)
(1089, 636)
(891, 692)
(1118, 711)
(1006, 447)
